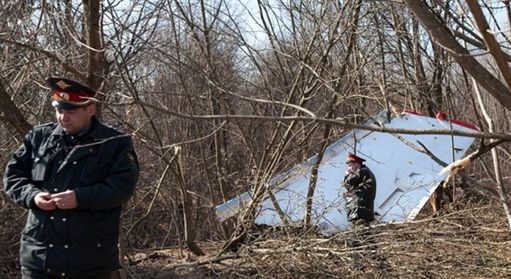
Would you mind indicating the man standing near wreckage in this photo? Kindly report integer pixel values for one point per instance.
(73, 177)
(360, 185)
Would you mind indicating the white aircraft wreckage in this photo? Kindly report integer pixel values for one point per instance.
(406, 174)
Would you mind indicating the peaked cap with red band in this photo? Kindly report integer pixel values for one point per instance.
(354, 158)
(69, 94)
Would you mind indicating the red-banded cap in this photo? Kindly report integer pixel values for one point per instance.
(69, 94)
(354, 158)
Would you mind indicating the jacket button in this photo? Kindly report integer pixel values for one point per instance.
(74, 163)
(55, 189)
(48, 270)
(63, 274)
(64, 219)
(50, 245)
(51, 217)
(99, 245)
(66, 246)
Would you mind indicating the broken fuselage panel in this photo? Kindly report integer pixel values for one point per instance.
(406, 175)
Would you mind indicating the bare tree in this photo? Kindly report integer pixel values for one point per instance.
(245, 102)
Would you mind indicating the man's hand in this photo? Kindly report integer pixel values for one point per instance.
(65, 200)
(44, 201)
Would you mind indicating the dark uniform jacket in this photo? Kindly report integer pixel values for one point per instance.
(360, 194)
(102, 168)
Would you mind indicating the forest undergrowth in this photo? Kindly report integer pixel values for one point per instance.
(469, 239)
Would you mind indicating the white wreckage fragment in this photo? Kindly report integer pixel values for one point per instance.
(406, 176)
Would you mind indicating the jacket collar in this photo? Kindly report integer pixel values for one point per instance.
(94, 131)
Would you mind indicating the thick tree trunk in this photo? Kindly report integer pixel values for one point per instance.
(95, 57)
(10, 114)
(96, 64)
(444, 37)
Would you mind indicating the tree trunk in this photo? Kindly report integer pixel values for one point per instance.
(95, 54)
(501, 190)
(314, 179)
(189, 228)
(330, 115)
(444, 37)
(10, 114)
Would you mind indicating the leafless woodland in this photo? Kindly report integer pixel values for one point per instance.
(219, 96)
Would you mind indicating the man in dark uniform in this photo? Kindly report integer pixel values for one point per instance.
(360, 185)
(72, 176)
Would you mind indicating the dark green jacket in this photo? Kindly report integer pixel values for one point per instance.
(102, 169)
(360, 194)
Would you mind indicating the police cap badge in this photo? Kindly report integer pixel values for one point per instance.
(69, 94)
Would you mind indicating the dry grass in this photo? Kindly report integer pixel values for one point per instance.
(470, 243)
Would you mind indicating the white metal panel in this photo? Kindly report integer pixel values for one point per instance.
(405, 177)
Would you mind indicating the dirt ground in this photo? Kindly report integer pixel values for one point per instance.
(472, 241)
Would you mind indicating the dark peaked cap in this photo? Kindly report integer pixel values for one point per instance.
(69, 94)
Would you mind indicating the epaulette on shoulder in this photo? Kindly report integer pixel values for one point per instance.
(112, 131)
(116, 129)
(43, 130)
(45, 126)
